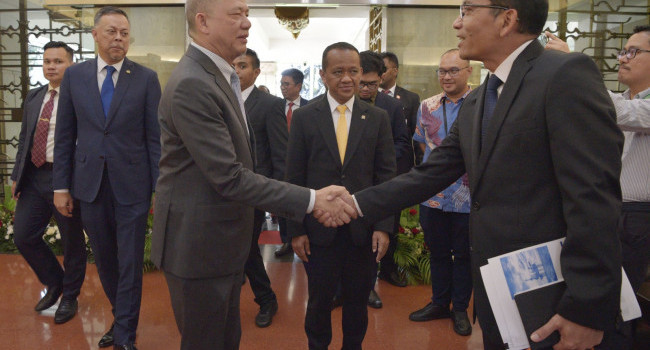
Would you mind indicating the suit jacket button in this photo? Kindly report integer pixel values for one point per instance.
(101, 157)
(105, 133)
(342, 176)
(476, 206)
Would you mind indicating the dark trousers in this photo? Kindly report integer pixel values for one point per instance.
(254, 268)
(207, 311)
(447, 236)
(388, 264)
(34, 209)
(116, 234)
(282, 226)
(354, 267)
(634, 229)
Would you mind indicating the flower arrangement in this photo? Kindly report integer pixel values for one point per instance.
(412, 254)
(52, 236)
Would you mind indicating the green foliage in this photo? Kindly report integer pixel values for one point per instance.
(51, 234)
(412, 255)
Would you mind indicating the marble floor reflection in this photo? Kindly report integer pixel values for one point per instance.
(21, 328)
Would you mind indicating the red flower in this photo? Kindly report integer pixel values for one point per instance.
(401, 229)
(413, 211)
(415, 230)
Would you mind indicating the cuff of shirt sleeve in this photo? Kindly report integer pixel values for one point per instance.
(312, 201)
(65, 190)
(356, 204)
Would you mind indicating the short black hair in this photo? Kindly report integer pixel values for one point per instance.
(252, 54)
(531, 14)
(372, 62)
(109, 10)
(61, 44)
(642, 28)
(295, 74)
(391, 57)
(341, 45)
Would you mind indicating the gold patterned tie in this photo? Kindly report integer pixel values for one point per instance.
(342, 132)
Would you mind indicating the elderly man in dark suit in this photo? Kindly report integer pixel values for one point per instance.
(203, 218)
(106, 153)
(339, 139)
(32, 187)
(540, 145)
(266, 118)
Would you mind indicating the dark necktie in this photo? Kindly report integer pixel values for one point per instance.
(491, 97)
(235, 85)
(289, 115)
(39, 145)
(107, 90)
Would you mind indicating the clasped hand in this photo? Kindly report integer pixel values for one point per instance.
(334, 206)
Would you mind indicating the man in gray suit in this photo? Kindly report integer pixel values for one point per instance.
(207, 189)
(541, 148)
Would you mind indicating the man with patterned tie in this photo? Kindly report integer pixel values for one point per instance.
(339, 139)
(106, 156)
(541, 149)
(290, 86)
(32, 188)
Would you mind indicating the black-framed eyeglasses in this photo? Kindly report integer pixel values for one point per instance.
(452, 71)
(630, 53)
(464, 7)
(370, 84)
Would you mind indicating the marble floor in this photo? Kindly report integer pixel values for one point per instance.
(21, 328)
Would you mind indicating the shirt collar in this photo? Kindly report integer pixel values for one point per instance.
(503, 70)
(392, 90)
(247, 92)
(225, 67)
(334, 103)
(641, 95)
(101, 64)
(50, 88)
(296, 102)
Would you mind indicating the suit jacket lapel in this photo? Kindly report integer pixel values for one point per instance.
(475, 105)
(520, 67)
(357, 124)
(252, 99)
(222, 84)
(37, 101)
(93, 87)
(123, 81)
(326, 127)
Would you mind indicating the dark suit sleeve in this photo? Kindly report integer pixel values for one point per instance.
(200, 121)
(384, 167)
(586, 147)
(23, 134)
(443, 167)
(297, 160)
(65, 137)
(278, 134)
(152, 129)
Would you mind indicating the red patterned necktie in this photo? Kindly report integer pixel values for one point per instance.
(387, 92)
(289, 114)
(40, 135)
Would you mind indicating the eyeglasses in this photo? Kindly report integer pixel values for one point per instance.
(370, 85)
(463, 8)
(452, 72)
(631, 53)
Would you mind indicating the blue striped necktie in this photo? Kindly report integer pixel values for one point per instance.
(491, 97)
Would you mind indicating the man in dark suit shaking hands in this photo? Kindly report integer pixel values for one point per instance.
(106, 155)
(207, 190)
(32, 187)
(339, 139)
(541, 148)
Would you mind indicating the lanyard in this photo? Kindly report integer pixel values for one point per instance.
(444, 113)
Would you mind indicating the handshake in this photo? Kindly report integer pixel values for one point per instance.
(334, 206)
